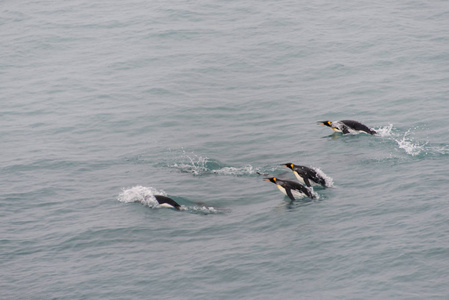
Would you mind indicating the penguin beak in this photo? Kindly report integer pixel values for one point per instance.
(320, 123)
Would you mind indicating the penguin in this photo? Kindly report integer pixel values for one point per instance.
(291, 188)
(348, 126)
(306, 175)
(167, 202)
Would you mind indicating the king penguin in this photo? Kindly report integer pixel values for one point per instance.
(167, 202)
(348, 126)
(306, 175)
(291, 188)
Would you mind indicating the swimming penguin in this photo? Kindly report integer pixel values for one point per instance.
(167, 202)
(348, 126)
(306, 175)
(292, 188)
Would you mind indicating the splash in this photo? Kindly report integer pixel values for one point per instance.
(384, 131)
(202, 165)
(409, 145)
(327, 179)
(233, 171)
(197, 165)
(404, 142)
(315, 194)
(141, 194)
(202, 209)
(146, 196)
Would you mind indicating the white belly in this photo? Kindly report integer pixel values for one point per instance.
(281, 189)
(295, 193)
(166, 205)
(298, 195)
(299, 178)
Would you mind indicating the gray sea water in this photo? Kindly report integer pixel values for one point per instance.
(106, 103)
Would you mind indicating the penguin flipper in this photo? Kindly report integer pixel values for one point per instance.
(289, 194)
(307, 182)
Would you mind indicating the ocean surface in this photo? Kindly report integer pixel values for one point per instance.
(104, 104)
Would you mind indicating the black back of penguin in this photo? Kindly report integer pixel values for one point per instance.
(166, 200)
(345, 126)
(307, 174)
(293, 185)
(290, 186)
(357, 126)
(310, 174)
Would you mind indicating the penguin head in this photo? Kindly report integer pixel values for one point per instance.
(288, 165)
(272, 179)
(326, 123)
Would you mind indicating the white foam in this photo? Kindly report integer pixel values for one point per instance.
(188, 168)
(409, 146)
(203, 209)
(384, 131)
(202, 165)
(192, 163)
(317, 196)
(406, 142)
(329, 181)
(246, 170)
(146, 196)
(140, 194)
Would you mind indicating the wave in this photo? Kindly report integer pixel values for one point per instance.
(146, 196)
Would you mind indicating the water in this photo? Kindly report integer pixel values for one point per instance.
(104, 105)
